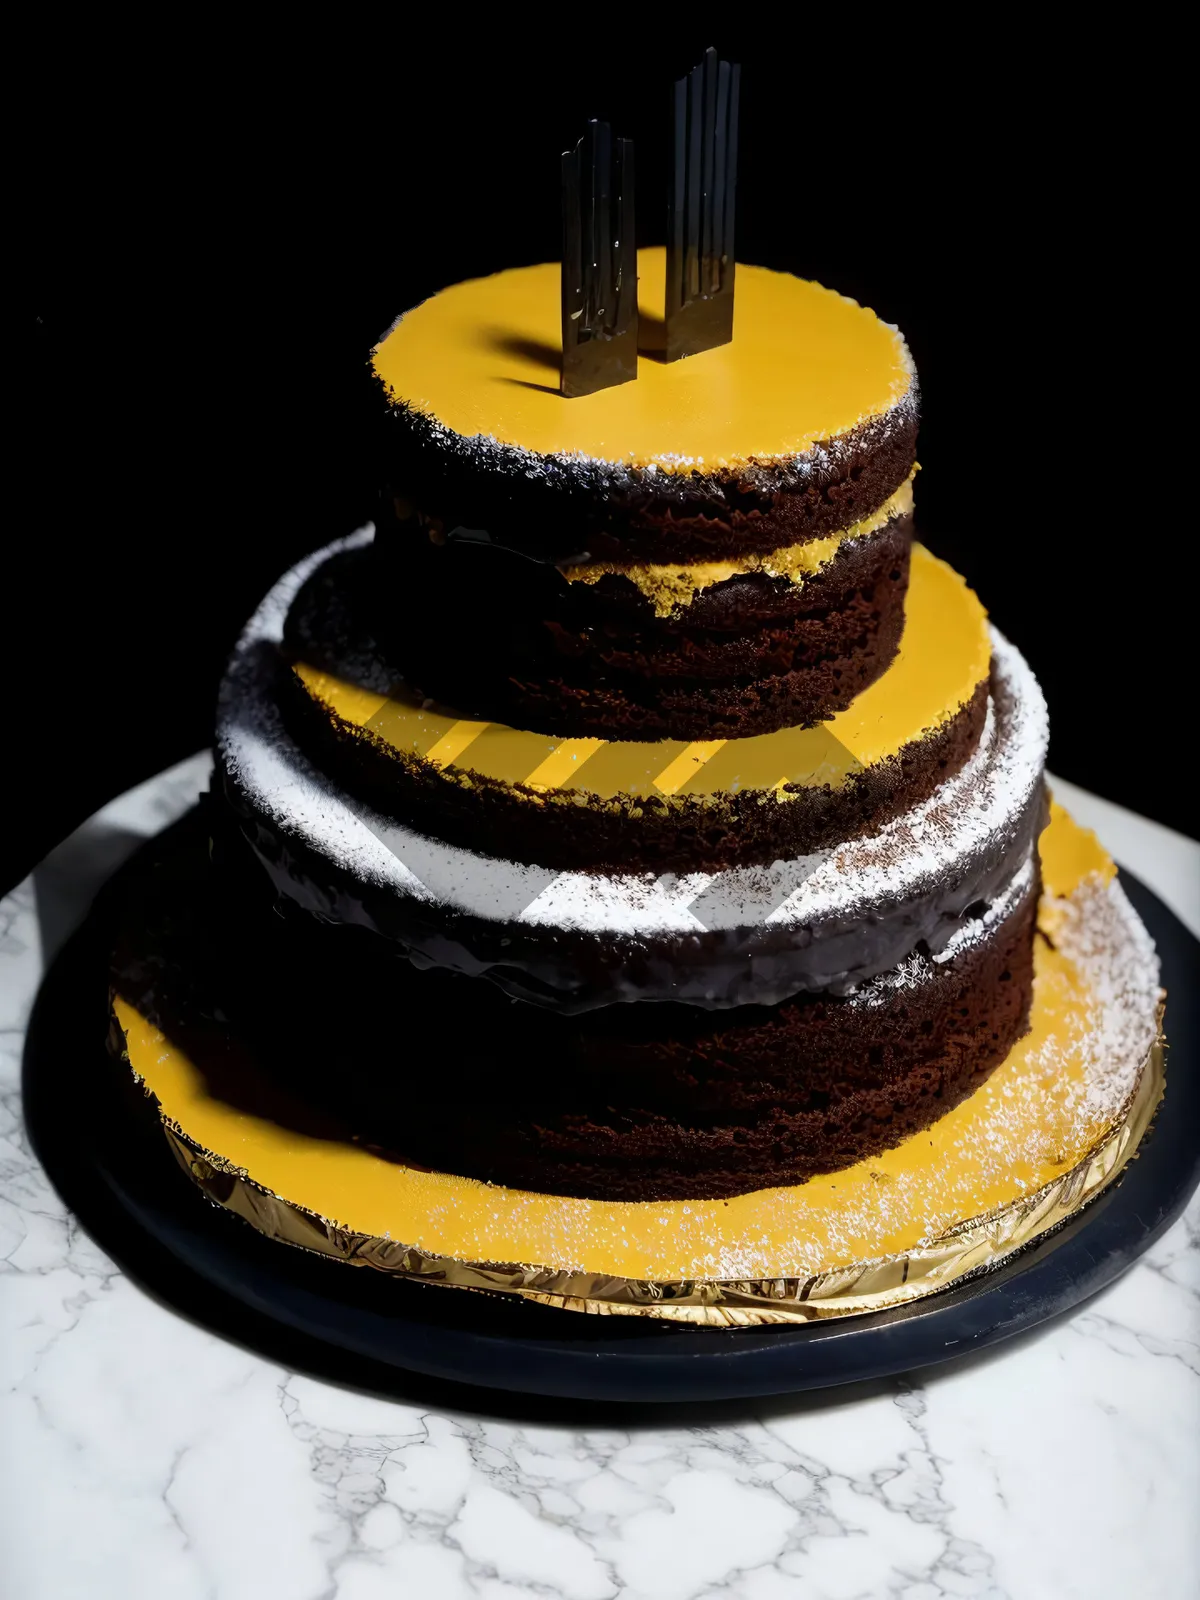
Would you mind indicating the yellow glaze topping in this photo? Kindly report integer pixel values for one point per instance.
(805, 365)
(944, 655)
(1034, 1119)
(670, 587)
(1070, 854)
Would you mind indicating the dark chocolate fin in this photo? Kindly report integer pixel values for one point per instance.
(700, 259)
(599, 267)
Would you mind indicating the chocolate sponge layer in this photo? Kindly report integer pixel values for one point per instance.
(506, 639)
(570, 508)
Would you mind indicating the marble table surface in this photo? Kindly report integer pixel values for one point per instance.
(141, 1455)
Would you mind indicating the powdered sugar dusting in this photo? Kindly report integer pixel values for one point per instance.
(1098, 930)
(258, 752)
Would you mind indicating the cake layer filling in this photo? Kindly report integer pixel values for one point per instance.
(573, 940)
(670, 589)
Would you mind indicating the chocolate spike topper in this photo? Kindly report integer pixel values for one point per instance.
(700, 260)
(599, 268)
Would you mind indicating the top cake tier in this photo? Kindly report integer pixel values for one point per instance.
(804, 426)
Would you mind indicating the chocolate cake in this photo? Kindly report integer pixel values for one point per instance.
(635, 813)
(627, 882)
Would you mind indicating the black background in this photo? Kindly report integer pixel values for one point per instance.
(217, 231)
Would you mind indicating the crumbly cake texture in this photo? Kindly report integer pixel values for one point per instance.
(801, 427)
(575, 939)
(1060, 1091)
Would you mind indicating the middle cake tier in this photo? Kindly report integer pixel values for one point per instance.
(915, 813)
(586, 802)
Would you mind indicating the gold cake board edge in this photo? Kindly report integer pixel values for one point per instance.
(971, 1247)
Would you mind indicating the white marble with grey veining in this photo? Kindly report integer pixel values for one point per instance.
(141, 1456)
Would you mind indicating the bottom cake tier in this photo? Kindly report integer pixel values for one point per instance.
(643, 1101)
(1042, 1135)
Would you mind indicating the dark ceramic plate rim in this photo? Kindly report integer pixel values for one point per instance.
(131, 1196)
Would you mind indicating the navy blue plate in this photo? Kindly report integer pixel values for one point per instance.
(386, 1334)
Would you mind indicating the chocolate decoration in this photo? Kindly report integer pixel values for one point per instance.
(700, 258)
(599, 264)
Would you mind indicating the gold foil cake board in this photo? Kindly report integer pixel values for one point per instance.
(1051, 1128)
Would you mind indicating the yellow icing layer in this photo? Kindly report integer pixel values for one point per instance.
(1031, 1122)
(669, 587)
(1070, 854)
(944, 655)
(805, 364)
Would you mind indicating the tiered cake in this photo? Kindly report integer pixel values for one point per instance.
(754, 861)
(636, 816)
